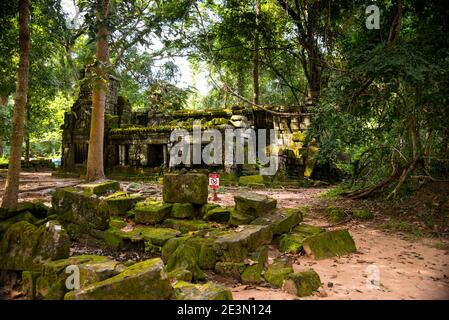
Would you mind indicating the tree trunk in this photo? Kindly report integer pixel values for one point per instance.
(95, 167)
(27, 135)
(3, 102)
(256, 92)
(11, 193)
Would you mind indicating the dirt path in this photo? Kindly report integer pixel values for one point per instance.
(407, 269)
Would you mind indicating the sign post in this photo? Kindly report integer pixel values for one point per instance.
(214, 184)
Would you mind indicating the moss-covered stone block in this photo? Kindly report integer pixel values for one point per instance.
(23, 216)
(236, 244)
(119, 204)
(51, 285)
(170, 247)
(252, 273)
(100, 188)
(145, 280)
(182, 211)
(278, 271)
(363, 214)
(186, 188)
(280, 220)
(27, 247)
(36, 207)
(118, 223)
(302, 284)
(151, 211)
(88, 211)
(208, 291)
(29, 284)
(186, 257)
(136, 237)
(329, 244)
(205, 208)
(236, 218)
(293, 242)
(188, 225)
(254, 204)
(207, 257)
(218, 214)
(334, 214)
(180, 275)
(231, 269)
(307, 229)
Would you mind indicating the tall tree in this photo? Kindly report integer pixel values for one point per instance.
(11, 193)
(95, 168)
(256, 56)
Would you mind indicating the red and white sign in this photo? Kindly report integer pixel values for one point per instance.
(214, 180)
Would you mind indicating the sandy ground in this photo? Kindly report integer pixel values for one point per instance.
(386, 266)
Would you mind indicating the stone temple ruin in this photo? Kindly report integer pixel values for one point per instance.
(141, 139)
(185, 240)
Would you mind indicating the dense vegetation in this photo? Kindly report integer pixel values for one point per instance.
(377, 98)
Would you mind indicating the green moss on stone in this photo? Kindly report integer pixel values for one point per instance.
(92, 268)
(101, 188)
(188, 225)
(120, 204)
(151, 211)
(182, 211)
(254, 204)
(180, 275)
(236, 218)
(26, 247)
(186, 188)
(303, 283)
(276, 277)
(307, 229)
(24, 216)
(207, 257)
(170, 247)
(293, 242)
(73, 205)
(208, 291)
(235, 245)
(137, 237)
(280, 220)
(145, 280)
(232, 269)
(252, 273)
(329, 244)
(218, 214)
(29, 284)
(186, 256)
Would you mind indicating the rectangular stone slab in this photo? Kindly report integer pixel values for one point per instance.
(145, 280)
(254, 204)
(235, 245)
(185, 188)
(88, 211)
(329, 244)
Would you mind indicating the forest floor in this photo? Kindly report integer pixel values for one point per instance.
(411, 255)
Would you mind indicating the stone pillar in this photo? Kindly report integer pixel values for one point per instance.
(166, 156)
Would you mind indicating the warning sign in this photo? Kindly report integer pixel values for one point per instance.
(214, 180)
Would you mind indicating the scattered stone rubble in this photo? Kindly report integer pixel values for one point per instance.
(188, 238)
